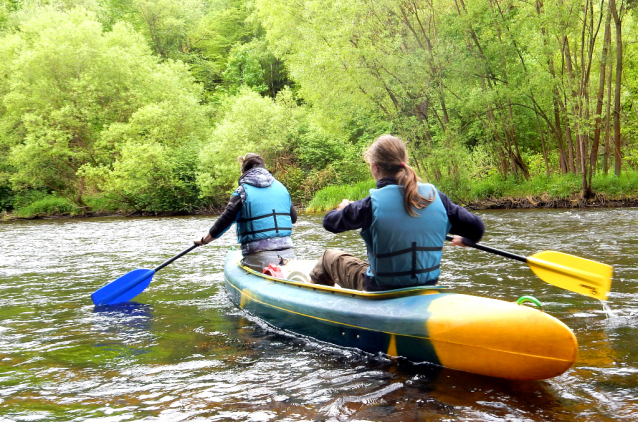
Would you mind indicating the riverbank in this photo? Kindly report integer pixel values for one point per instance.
(509, 203)
(67, 215)
(496, 192)
(556, 191)
(545, 201)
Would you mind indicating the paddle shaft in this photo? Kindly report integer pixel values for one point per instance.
(116, 288)
(594, 279)
(179, 255)
(492, 250)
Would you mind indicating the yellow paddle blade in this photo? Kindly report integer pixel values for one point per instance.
(573, 273)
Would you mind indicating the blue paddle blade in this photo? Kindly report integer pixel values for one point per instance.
(124, 288)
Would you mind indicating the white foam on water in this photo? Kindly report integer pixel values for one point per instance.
(608, 311)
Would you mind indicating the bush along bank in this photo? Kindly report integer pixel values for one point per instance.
(557, 191)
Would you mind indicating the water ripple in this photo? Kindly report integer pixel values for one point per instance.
(183, 352)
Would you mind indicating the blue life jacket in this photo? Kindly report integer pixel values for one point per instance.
(403, 250)
(265, 214)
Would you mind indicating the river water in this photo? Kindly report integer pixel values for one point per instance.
(183, 352)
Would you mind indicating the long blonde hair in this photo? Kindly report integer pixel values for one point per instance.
(389, 153)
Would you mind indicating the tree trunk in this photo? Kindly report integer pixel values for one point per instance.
(558, 131)
(608, 121)
(512, 132)
(589, 34)
(570, 72)
(593, 159)
(568, 136)
(618, 24)
(540, 134)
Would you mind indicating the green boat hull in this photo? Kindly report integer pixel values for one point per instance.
(423, 324)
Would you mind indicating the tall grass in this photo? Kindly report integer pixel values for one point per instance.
(557, 186)
(101, 204)
(48, 205)
(51, 204)
(329, 197)
(616, 187)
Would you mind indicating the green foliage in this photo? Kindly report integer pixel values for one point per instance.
(150, 177)
(247, 123)
(48, 205)
(293, 179)
(229, 51)
(25, 198)
(76, 96)
(450, 77)
(328, 198)
(145, 105)
(31, 203)
(7, 198)
(496, 187)
(631, 157)
(317, 150)
(244, 67)
(223, 26)
(167, 24)
(499, 187)
(103, 204)
(614, 187)
(5, 9)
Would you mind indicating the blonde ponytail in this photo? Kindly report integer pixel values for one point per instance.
(389, 153)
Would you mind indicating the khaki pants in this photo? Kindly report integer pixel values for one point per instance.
(339, 267)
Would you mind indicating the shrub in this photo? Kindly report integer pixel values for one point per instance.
(7, 197)
(46, 206)
(329, 197)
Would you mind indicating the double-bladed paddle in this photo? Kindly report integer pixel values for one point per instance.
(568, 272)
(130, 285)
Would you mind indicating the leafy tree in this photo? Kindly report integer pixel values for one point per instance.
(516, 78)
(229, 51)
(168, 24)
(69, 86)
(150, 177)
(247, 122)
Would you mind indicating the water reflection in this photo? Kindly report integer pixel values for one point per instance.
(128, 324)
(183, 351)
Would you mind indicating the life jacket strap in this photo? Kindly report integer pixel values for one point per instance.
(412, 273)
(408, 250)
(412, 250)
(271, 214)
(266, 230)
(274, 215)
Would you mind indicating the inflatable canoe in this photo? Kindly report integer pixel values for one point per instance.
(423, 324)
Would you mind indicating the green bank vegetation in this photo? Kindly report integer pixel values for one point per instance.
(557, 190)
(143, 106)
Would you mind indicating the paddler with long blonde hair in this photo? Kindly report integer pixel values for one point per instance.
(403, 222)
